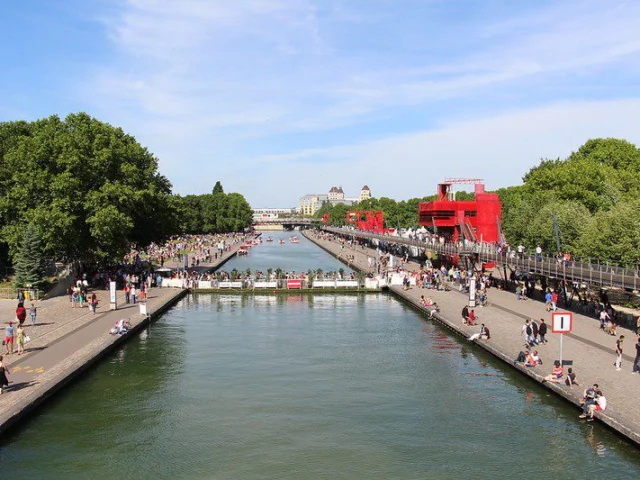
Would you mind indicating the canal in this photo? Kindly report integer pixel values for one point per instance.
(306, 387)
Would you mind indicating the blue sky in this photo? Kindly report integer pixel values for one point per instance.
(278, 98)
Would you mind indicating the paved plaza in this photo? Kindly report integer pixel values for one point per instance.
(588, 350)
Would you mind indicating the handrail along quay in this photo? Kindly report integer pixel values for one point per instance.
(590, 273)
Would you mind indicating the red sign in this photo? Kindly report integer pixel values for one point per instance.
(561, 322)
(294, 284)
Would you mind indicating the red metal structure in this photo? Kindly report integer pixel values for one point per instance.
(475, 220)
(367, 220)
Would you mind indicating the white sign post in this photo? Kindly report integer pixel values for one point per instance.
(561, 322)
(112, 296)
(472, 292)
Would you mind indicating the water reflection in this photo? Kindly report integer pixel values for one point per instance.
(286, 386)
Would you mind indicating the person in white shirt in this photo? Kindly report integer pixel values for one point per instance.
(599, 406)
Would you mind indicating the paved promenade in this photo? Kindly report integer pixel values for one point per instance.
(66, 341)
(589, 351)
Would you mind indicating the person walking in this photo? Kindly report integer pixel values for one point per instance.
(93, 303)
(21, 313)
(127, 293)
(527, 331)
(133, 294)
(542, 331)
(636, 361)
(33, 310)
(8, 339)
(4, 371)
(20, 339)
(535, 331)
(618, 362)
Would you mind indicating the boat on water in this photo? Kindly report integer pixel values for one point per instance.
(269, 239)
(294, 239)
(281, 242)
(244, 250)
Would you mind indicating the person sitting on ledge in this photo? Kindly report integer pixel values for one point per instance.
(599, 406)
(484, 334)
(533, 359)
(121, 327)
(556, 374)
(571, 378)
(465, 314)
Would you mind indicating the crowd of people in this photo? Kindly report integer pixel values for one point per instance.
(199, 249)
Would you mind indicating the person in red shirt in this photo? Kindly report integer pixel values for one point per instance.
(556, 374)
(21, 313)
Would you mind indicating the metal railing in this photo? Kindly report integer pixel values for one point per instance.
(589, 273)
(8, 293)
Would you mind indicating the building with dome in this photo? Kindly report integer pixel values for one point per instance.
(365, 193)
(311, 203)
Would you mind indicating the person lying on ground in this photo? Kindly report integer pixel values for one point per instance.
(556, 374)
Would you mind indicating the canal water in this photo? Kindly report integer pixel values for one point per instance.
(305, 387)
(298, 257)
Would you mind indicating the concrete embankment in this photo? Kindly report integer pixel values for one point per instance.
(54, 361)
(587, 350)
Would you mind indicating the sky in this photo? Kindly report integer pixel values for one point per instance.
(280, 98)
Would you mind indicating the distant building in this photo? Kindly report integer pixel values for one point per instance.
(365, 193)
(336, 193)
(310, 204)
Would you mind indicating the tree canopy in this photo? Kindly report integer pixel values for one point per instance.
(90, 191)
(216, 212)
(592, 193)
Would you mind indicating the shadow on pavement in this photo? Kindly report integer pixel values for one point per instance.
(14, 387)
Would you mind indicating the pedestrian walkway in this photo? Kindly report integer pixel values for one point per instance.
(66, 341)
(588, 350)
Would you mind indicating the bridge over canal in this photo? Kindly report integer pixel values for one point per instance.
(594, 274)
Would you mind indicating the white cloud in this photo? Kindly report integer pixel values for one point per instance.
(500, 149)
(198, 80)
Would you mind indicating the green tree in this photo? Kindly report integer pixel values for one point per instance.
(614, 235)
(30, 264)
(90, 189)
(217, 188)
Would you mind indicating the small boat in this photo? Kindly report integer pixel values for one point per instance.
(244, 250)
(281, 242)
(294, 239)
(269, 239)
